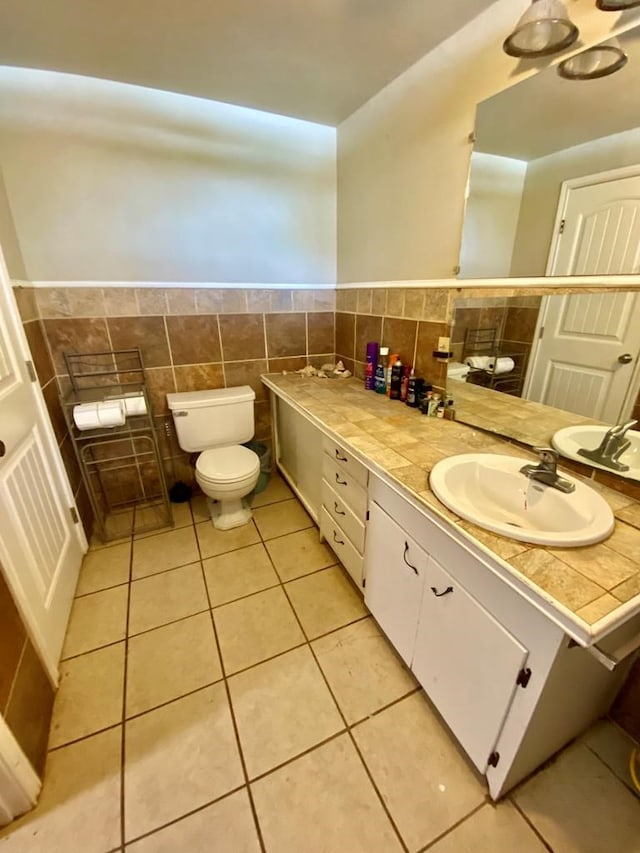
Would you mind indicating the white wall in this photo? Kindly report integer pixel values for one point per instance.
(403, 157)
(542, 192)
(9, 238)
(491, 217)
(112, 182)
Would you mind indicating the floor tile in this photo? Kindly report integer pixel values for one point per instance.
(227, 825)
(238, 573)
(299, 554)
(277, 490)
(256, 628)
(282, 708)
(171, 661)
(323, 803)
(613, 746)
(80, 780)
(155, 515)
(199, 508)
(325, 601)
(164, 598)
(363, 671)
(96, 620)
(118, 527)
(281, 518)
(579, 806)
(213, 541)
(90, 695)
(424, 780)
(104, 568)
(494, 829)
(177, 758)
(164, 551)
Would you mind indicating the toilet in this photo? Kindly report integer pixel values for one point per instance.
(214, 424)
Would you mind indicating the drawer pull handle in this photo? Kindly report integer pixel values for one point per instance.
(339, 481)
(336, 540)
(440, 594)
(338, 511)
(341, 458)
(404, 557)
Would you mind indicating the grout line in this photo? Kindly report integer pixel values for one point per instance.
(83, 737)
(94, 648)
(310, 749)
(525, 817)
(234, 722)
(454, 826)
(174, 699)
(188, 814)
(124, 704)
(170, 622)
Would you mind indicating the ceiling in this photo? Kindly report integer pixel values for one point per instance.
(312, 59)
(546, 113)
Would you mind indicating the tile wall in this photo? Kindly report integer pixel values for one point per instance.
(26, 694)
(191, 339)
(409, 321)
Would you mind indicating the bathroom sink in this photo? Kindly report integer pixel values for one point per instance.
(489, 490)
(570, 440)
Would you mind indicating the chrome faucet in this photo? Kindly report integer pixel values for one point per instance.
(611, 448)
(545, 471)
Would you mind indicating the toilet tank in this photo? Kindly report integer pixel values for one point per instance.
(215, 418)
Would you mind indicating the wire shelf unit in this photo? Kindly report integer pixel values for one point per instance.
(121, 466)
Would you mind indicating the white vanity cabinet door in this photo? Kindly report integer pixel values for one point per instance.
(299, 455)
(467, 663)
(394, 570)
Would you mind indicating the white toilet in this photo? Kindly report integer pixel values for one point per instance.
(216, 422)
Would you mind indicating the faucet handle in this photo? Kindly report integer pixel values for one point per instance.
(548, 456)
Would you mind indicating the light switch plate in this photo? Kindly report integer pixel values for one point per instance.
(443, 344)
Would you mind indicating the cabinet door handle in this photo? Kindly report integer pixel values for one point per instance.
(339, 481)
(404, 557)
(440, 594)
(338, 511)
(336, 540)
(341, 458)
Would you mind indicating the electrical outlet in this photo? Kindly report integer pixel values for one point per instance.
(443, 344)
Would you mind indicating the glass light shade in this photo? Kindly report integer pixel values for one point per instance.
(544, 28)
(616, 5)
(598, 61)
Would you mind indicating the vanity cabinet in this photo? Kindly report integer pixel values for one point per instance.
(298, 452)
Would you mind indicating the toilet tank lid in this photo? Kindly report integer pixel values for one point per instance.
(215, 396)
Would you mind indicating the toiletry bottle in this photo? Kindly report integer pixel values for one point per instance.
(371, 365)
(440, 409)
(404, 387)
(425, 401)
(387, 376)
(380, 385)
(396, 380)
(434, 402)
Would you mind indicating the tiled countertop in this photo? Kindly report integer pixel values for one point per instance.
(597, 586)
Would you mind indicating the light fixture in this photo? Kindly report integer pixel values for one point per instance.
(598, 61)
(544, 28)
(616, 5)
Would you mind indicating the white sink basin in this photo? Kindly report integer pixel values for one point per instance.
(489, 490)
(569, 440)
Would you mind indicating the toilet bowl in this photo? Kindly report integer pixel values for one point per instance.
(215, 423)
(226, 476)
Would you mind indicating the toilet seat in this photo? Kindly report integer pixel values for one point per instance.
(227, 464)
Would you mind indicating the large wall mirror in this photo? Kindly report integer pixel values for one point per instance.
(532, 138)
(530, 366)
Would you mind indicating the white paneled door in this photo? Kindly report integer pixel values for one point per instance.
(41, 546)
(585, 360)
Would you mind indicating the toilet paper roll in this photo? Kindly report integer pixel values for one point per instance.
(134, 405)
(479, 362)
(99, 415)
(503, 364)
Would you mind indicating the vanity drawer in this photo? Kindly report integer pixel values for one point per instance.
(346, 486)
(350, 463)
(339, 542)
(343, 515)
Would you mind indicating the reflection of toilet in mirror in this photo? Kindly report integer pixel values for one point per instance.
(214, 424)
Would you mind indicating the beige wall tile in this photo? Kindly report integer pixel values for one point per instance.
(152, 300)
(120, 301)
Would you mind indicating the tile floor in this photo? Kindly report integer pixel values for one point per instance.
(228, 692)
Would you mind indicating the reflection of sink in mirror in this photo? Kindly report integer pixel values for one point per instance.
(570, 440)
(490, 491)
